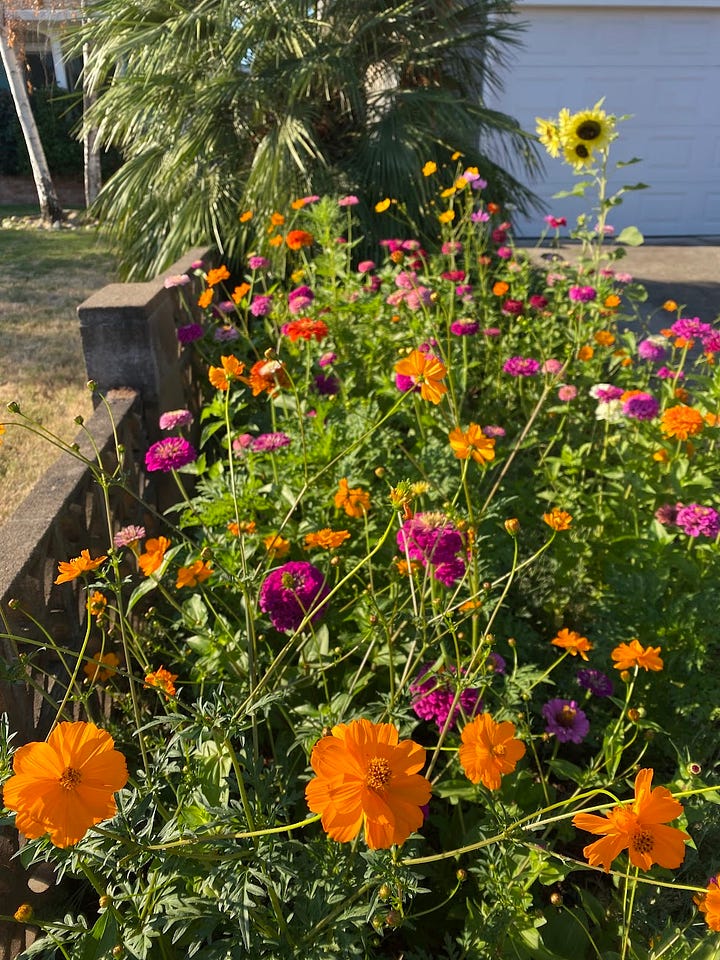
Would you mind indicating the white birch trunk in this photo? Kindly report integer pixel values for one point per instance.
(93, 174)
(50, 208)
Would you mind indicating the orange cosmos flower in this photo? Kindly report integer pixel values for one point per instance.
(97, 602)
(163, 680)
(709, 903)
(65, 785)
(245, 526)
(366, 777)
(277, 219)
(239, 292)
(572, 642)
(489, 750)
(297, 239)
(267, 376)
(72, 569)
(191, 576)
(247, 215)
(205, 298)
(231, 369)
(355, 502)
(276, 241)
(152, 559)
(406, 569)
(558, 519)
(326, 539)
(472, 443)
(216, 276)
(633, 654)
(277, 546)
(103, 668)
(681, 422)
(426, 372)
(638, 827)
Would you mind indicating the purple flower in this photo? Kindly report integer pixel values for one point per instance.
(242, 442)
(128, 536)
(711, 342)
(464, 290)
(433, 698)
(479, 216)
(464, 328)
(299, 299)
(226, 333)
(170, 454)
(176, 280)
(327, 358)
(698, 521)
(521, 366)
(552, 366)
(566, 720)
(493, 431)
(290, 592)
(513, 308)
(190, 332)
(258, 263)
(431, 539)
(175, 418)
(605, 392)
(419, 297)
(598, 683)
(261, 305)
(495, 663)
(667, 514)
(651, 349)
(665, 373)
(492, 331)
(267, 442)
(582, 294)
(690, 327)
(327, 385)
(643, 406)
(504, 253)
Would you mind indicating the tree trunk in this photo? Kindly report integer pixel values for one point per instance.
(93, 174)
(49, 206)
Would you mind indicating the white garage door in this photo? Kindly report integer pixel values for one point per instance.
(660, 62)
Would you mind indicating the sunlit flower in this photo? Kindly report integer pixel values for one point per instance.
(593, 127)
(432, 697)
(696, 520)
(290, 592)
(597, 682)
(175, 418)
(558, 519)
(65, 785)
(305, 329)
(170, 453)
(243, 527)
(97, 603)
(104, 667)
(276, 546)
(326, 539)
(424, 371)
(382, 205)
(162, 679)
(128, 536)
(548, 134)
(447, 216)
(72, 569)
(429, 168)
(355, 502)
(245, 216)
(565, 720)
(152, 559)
(709, 904)
(297, 239)
(432, 539)
(267, 376)
(205, 298)
(573, 642)
(633, 654)
(681, 422)
(194, 574)
(366, 777)
(231, 369)
(521, 366)
(578, 154)
(638, 827)
(217, 275)
(472, 443)
(489, 750)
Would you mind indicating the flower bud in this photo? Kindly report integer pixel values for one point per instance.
(92, 386)
(394, 918)
(79, 420)
(14, 406)
(24, 913)
(633, 715)
(512, 526)
(625, 676)
(556, 899)
(105, 901)
(379, 472)
(461, 875)
(384, 892)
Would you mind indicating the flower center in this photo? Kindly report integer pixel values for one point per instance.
(589, 130)
(288, 581)
(498, 750)
(378, 773)
(643, 841)
(566, 716)
(70, 778)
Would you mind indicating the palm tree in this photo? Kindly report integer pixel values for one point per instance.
(223, 105)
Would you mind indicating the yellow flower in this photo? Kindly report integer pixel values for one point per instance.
(447, 217)
(548, 135)
(277, 546)
(577, 153)
(670, 306)
(382, 206)
(163, 680)
(429, 169)
(593, 127)
(456, 155)
(448, 192)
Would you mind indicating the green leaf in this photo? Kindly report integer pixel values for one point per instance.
(577, 191)
(566, 770)
(99, 941)
(630, 236)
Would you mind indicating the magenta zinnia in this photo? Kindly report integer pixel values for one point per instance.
(291, 592)
(170, 454)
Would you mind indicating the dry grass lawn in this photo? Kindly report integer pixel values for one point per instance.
(45, 275)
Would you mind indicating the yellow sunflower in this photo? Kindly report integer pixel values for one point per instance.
(577, 153)
(549, 135)
(593, 127)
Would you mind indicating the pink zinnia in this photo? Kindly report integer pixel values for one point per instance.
(290, 592)
(170, 454)
(175, 418)
(433, 697)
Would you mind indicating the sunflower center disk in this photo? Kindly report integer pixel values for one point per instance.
(589, 130)
(643, 841)
(378, 773)
(70, 778)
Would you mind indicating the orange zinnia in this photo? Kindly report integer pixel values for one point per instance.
(489, 750)
(103, 668)
(472, 443)
(573, 643)
(633, 654)
(305, 328)
(191, 576)
(239, 292)
(365, 776)
(500, 288)
(217, 275)
(162, 680)
(72, 569)
(558, 519)
(65, 785)
(327, 539)
(355, 502)
(426, 372)
(267, 376)
(709, 904)
(205, 298)
(638, 827)
(297, 239)
(681, 422)
(231, 369)
(152, 559)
